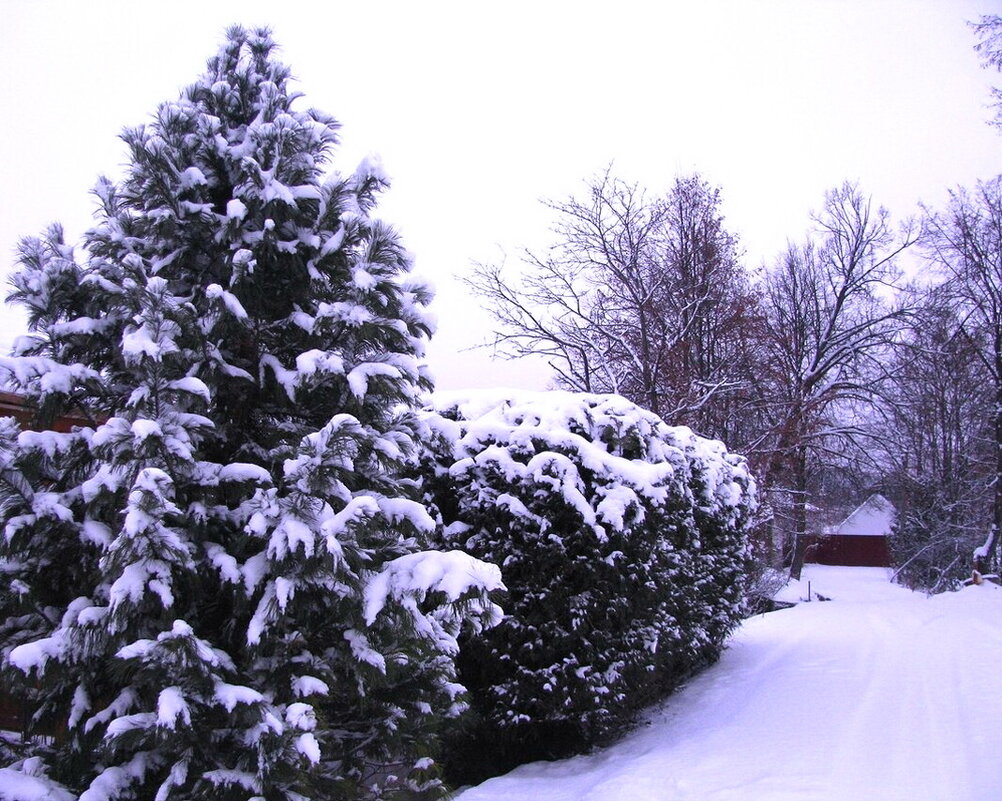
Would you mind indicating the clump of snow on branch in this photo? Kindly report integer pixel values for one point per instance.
(410, 579)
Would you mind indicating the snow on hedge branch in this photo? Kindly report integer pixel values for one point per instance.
(622, 544)
(40, 375)
(454, 574)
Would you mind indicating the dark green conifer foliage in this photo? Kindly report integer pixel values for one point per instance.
(214, 589)
(623, 546)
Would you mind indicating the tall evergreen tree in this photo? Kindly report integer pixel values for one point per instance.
(216, 588)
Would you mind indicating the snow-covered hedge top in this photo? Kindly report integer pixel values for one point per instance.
(611, 437)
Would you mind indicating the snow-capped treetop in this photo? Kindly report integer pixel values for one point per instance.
(226, 200)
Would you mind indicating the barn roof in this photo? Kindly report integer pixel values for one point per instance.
(873, 518)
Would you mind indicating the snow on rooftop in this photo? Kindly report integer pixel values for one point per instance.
(873, 518)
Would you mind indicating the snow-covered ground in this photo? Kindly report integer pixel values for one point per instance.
(880, 694)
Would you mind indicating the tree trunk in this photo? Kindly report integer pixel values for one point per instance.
(769, 542)
(799, 513)
(984, 557)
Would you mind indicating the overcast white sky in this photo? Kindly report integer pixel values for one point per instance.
(479, 110)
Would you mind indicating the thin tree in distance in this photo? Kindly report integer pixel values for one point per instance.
(965, 241)
(933, 428)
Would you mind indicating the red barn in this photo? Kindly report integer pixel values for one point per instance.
(860, 540)
(16, 406)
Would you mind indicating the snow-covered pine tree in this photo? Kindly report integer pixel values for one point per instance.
(216, 588)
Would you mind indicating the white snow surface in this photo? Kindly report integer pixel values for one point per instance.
(21, 785)
(878, 695)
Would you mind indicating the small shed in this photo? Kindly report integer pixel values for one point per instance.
(860, 540)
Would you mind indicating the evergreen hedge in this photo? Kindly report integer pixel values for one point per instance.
(622, 544)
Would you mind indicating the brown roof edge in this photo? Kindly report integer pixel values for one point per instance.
(15, 405)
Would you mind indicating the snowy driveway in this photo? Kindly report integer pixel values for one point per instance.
(879, 694)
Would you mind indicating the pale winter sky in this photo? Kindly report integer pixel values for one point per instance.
(480, 110)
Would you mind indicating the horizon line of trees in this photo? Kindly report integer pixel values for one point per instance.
(833, 374)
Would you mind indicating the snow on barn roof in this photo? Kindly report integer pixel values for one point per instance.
(873, 518)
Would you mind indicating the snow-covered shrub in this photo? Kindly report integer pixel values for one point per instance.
(214, 590)
(762, 584)
(622, 545)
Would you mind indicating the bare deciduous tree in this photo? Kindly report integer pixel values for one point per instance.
(827, 324)
(645, 296)
(639, 295)
(932, 426)
(988, 31)
(966, 241)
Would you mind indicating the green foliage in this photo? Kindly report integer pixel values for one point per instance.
(210, 590)
(622, 543)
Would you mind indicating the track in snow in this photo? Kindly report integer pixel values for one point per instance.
(880, 694)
